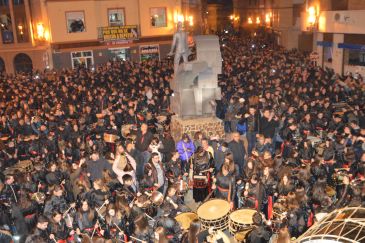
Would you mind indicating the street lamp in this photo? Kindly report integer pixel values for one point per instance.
(249, 20)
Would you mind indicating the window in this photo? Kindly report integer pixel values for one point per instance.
(82, 58)
(116, 17)
(356, 57)
(158, 17)
(75, 22)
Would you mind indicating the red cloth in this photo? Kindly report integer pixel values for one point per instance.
(269, 208)
(310, 220)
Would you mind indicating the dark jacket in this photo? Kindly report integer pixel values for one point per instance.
(238, 151)
(143, 141)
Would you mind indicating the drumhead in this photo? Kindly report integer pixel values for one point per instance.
(243, 216)
(213, 209)
(185, 219)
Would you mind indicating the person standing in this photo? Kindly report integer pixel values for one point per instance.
(143, 141)
(186, 149)
(238, 151)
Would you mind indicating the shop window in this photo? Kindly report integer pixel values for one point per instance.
(119, 53)
(116, 17)
(355, 57)
(158, 17)
(75, 22)
(82, 58)
(23, 63)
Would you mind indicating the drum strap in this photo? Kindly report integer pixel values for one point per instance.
(229, 191)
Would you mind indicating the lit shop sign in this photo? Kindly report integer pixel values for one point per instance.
(149, 52)
(115, 33)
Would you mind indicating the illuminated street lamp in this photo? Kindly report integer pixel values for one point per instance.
(312, 18)
(249, 20)
(258, 21)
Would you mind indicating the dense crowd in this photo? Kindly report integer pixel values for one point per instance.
(87, 154)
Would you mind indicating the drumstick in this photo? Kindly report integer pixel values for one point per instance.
(92, 235)
(66, 212)
(150, 217)
(136, 239)
(101, 207)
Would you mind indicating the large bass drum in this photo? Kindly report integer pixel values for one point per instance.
(240, 220)
(214, 213)
(342, 225)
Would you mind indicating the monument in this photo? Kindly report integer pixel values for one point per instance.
(195, 86)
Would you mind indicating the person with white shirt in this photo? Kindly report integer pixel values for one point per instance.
(124, 164)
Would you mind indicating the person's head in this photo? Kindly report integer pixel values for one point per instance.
(52, 167)
(254, 179)
(95, 155)
(257, 219)
(144, 128)
(285, 179)
(56, 216)
(175, 155)
(252, 110)
(205, 143)
(250, 164)
(9, 179)
(84, 205)
(171, 191)
(266, 113)
(194, 229)
(236, 137)
(127, 179)
(185, 138)
(224, 147)
(111, 210)
(225, 169)
(98, 184)
(141, 223)
(42, 222)
(57, 191)
(155, 158)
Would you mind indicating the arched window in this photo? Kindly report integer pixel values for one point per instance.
(2, 65)
(23, 63)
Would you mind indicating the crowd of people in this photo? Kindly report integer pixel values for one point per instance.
(87, 154)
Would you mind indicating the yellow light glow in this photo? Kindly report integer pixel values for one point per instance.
(249, 20)
(180, 18)
(312, 15)
(312, 11)
(267, 18)
(231, 17)
(46, 35)
(40, 30)
(236, 18)
(191, 22)
(258, 21)
(20, 27)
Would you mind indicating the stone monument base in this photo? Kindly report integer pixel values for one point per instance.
(209, 126)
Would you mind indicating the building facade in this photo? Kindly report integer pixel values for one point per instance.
(39, 34)
(339, 34)
(281, 16)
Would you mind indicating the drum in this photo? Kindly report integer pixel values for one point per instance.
(126, 130)
(185, 219)
(181, 187)
(240, 219)
(214, 213)
(240, 237)
(24, 166)
(110, 138)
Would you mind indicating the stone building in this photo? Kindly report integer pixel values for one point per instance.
(39, 34)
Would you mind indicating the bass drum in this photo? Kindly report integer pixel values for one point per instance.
(214, 213)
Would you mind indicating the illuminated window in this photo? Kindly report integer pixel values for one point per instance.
(116, 17)
(158, 17)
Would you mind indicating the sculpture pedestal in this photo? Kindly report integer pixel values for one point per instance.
(209, 126)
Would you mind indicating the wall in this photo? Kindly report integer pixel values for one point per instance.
(172, 6)
(95, 13)
(353, 25)
(34, 54)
